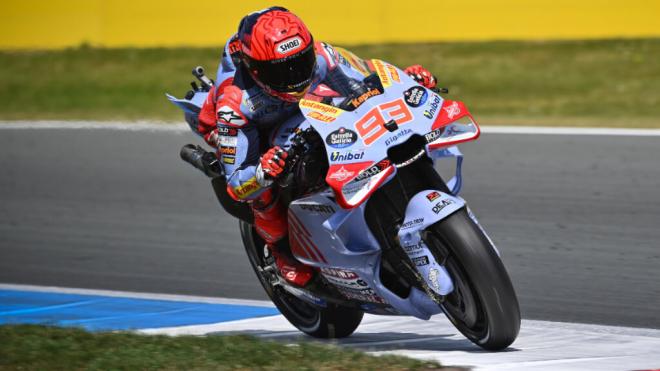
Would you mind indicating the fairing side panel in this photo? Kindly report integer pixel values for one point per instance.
(340, 244)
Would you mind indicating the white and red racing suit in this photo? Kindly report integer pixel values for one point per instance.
(242, 122)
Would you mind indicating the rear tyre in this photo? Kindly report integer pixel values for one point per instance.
(332, 321)
(483, 305)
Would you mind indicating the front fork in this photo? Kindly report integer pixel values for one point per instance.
(425, 209)
(430, 271)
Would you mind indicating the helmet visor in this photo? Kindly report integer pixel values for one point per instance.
(290, 74)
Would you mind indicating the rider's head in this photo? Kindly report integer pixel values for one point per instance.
(278, 51)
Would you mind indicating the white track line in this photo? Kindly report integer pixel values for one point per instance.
(180, 127)
(137, 295)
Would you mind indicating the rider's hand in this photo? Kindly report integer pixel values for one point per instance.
(422, 76)
(211, 138)
(271, 166)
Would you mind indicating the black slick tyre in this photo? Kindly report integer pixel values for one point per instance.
(483, 305)
(332, 321)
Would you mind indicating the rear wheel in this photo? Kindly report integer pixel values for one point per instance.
(483, 305)
(332, 321)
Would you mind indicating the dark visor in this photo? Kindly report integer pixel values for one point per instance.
(290, 74)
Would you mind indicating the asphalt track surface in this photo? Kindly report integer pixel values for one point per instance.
(576, 219)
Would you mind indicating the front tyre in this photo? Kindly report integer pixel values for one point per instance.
(332, 321)
(483, 305)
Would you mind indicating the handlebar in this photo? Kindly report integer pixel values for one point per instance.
(294, 153)
(207, 83)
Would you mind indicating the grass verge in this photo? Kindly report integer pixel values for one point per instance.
(585, 83)
(47, 348)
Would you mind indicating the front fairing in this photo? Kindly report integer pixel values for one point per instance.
(357, 141)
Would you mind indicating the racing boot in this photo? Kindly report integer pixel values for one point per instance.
(270, 220)
(293, 271)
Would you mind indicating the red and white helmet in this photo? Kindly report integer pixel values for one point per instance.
(278, 51)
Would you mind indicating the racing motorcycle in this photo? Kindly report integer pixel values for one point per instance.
(368, 211)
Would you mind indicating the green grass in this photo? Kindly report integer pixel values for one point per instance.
(603, 83)
(28, 347)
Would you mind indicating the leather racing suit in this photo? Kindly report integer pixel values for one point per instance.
(242, 122)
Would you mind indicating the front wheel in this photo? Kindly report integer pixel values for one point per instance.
(333, 321)
(483, 305)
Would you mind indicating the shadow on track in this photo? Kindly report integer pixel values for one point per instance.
(375, 342)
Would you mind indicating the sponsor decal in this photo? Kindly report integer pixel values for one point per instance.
(412, 223)
(393, 72)
(433, 196)
(354, 285)
(317, 208)
(396, 137)
(441, 205)
(289, 45)
(339, 273)
(381, 71)
(358, 285)
(357, 102)
(346, 156)
(228, 151)
(341, 174)
(253, 104)
(435, 134)
(341, 138)
(229, 160)
(228, 132)
(320, 116)
(452, 110)
(368, 295)
(413, 249)
(421, 260)
(415, 96)
(320, 107)
(247, 188)
(227, 115)
(373, 170)
(433, 277)
(433, 107)
(227, 141)
(234, 46)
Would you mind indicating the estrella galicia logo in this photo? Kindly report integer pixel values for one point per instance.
(341, 138)
(433, 107)
(415, 96)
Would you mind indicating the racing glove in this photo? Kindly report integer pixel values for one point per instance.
(271, 166)
(211, 138)
(422, 76)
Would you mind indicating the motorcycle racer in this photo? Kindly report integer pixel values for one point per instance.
(267, 67)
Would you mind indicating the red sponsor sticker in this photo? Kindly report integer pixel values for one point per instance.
(433, 196)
